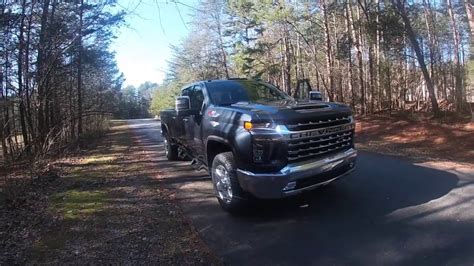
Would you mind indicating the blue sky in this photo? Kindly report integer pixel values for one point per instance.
(142, 47)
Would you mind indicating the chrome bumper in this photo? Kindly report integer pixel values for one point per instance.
(283, 183)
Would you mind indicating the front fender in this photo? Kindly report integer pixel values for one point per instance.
(240, 143)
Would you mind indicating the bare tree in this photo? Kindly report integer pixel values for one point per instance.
(401, 9)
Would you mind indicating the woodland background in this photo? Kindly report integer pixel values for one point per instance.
(375, 55)
(59, 82)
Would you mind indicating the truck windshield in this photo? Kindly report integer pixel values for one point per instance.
(234, 91)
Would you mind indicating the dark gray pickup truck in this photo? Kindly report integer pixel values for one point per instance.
(258, 142)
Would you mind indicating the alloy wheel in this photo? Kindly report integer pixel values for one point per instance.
(223, 184)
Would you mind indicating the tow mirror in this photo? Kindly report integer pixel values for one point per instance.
(182, 105)
(315, 96)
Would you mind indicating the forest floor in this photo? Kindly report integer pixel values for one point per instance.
(417, 137)
(99, 206)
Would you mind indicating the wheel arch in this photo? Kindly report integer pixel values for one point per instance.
(164, 129)
(214, 146)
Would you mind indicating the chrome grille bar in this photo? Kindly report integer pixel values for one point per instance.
(319, 122)
(326, 131)
(291, 158)
(307, 139)
(318, 140)
(292, 152)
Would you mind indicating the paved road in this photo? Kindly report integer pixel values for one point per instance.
(390, 211)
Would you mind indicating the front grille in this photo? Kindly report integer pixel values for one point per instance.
(318, 138)
(319, 123)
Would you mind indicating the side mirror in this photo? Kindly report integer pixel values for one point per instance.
(315, 96)
(182, 105)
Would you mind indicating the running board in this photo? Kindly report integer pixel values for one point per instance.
(182, 153)
(198, 165)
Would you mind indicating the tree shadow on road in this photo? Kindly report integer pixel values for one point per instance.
(389, 211)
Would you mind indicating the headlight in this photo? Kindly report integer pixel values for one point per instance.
(250, 125)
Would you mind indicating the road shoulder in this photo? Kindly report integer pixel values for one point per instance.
(108, 207)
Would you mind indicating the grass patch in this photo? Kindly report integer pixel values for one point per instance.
(99, 172)
(99, 159)
(80, 180)
(73, 204)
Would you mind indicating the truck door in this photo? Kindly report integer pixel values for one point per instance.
(192, 123)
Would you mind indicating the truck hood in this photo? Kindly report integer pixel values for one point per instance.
(291, 110)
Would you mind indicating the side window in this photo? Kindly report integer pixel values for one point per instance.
(196, 97)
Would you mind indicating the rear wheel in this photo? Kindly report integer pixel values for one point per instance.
(171, 150)
(230, 195)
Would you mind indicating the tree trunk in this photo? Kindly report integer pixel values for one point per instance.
(470, 77)
(351, 37)
(41, 73)
(328, 52)
(372, 81)
(7, 127)
(336, 64)
(457, 59)
(378, 55)
(79, 72)
(20, 77)
(29, 116)
(286, 64)
(221, 45)
(419, 55)
(3, 119)
(359, 47)
(431, 41)
(372, 36)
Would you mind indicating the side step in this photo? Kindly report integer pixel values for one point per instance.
(198, 165)
(182, 153)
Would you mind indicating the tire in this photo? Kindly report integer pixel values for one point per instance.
(230, 195)
(171, 150)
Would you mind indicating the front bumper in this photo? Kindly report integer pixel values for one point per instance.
(298, 177)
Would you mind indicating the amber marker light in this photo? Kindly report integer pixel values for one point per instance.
(248, 125)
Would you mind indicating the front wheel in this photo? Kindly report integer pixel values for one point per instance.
(230, 195)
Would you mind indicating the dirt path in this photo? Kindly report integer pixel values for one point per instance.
(110, 208)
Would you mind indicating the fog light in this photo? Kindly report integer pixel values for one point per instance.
(290, 186)
(351, 165)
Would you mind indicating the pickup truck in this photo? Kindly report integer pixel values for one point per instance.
(258, 142)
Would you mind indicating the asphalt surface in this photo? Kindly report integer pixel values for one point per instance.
(389, 211)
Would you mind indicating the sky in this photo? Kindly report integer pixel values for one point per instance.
(142, 46)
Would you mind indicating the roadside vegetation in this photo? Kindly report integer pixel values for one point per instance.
(135, 101)
(59, 82)
(106, 206)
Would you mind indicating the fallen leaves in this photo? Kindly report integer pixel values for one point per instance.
(106, 208)
(425, 138)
